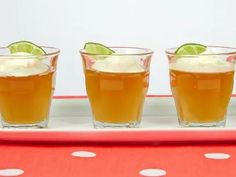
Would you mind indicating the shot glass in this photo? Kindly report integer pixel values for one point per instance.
(116, 86)
(202, 85)
(26, 88)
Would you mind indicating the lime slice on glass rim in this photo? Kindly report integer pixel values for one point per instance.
(98, 49)
(190, 49)
(26, 47)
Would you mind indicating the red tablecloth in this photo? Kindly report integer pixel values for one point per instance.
(173, 160)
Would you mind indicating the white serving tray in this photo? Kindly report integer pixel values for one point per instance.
(70, 121)
(159, 113)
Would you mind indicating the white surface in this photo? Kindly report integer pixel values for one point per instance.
(73, 115)
(71, 121)
(159, 114)
(145, 23)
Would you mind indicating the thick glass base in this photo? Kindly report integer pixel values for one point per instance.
(101, 125)
(202, 124)
(37, 125)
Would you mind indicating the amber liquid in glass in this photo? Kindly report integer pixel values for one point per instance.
(26, 100)
(201, 97)
(116, 97)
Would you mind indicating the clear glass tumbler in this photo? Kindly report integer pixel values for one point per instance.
(202, 85)
(116, 85)
(26, 88)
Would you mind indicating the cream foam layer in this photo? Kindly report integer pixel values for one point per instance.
(202, 64)
(118, 64)
(21, 67)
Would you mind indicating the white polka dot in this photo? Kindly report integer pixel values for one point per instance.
(152, 172)
(11, 172)
(217, 156)
(83, 154)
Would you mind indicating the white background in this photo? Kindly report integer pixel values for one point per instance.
(155, 24)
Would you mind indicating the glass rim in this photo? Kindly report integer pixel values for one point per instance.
(145, 51)
(55, 51)
(170, 51)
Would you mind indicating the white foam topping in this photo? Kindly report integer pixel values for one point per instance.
(203, 64)
(118, 64)
(21, 66)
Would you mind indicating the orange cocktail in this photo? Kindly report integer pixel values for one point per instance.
(202, 86)
(116, 98)
(26, 100)
(26, 87)
(116, 86)
(201, 97)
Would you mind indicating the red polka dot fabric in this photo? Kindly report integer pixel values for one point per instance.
(95, 160)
